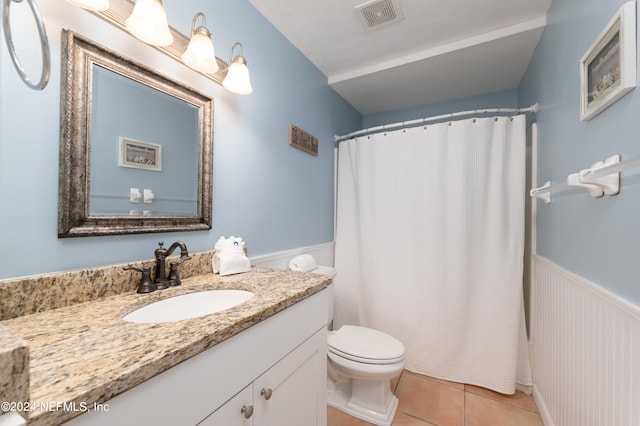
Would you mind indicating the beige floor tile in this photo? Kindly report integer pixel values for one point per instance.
(518, 399)
(336, 417)
(483, 411)
(402, 419)
(444, 382)
(430, 400)
(425, 401)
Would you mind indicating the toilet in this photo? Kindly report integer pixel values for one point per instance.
(361, 364)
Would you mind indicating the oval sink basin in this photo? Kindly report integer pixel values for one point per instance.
(186, 306)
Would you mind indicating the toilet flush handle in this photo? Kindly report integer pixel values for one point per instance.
(266, 393)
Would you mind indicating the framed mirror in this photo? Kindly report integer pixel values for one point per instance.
(136, 148)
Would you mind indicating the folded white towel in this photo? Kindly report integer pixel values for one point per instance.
(231, 243)
(229, 257)
(230, 263)
(302, 263)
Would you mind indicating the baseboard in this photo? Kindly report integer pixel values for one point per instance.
(542, 408)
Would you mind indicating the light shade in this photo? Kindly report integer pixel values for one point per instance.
(237, 78)
(95, 5)
(200, 54)
(148, 22)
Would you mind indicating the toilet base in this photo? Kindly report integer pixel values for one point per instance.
(368, 400)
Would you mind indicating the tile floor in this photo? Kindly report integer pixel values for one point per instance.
(424, 401)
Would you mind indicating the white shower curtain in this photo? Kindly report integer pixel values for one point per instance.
(430, 241)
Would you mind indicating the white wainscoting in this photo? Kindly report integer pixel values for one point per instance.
(585, 351)
(323, 253)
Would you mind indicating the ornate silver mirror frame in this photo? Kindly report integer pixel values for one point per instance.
(74, 218)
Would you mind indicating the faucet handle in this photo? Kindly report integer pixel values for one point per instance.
(146, 285)
(174, 278)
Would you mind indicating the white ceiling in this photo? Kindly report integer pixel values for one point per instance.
(439, 50)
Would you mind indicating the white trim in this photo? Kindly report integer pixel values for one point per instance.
(12, 419)
(584, 350)
(611, 298)
(542, 408)
(323, 254)
(534, 180)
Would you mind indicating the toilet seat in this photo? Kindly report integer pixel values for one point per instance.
(365, 345)
(365, 360)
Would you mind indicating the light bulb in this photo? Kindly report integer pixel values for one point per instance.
(148, 22)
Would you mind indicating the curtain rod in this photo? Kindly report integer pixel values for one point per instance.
(533, 108)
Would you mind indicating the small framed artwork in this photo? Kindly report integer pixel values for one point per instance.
(140, 155)
(608, 68)
(302, 140)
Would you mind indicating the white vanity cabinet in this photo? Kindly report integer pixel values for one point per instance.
(286, 354)
(238, 411)
(289, 393)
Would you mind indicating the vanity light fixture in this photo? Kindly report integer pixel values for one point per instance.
(95, 5)
(200, 54)
(237, 78)
(148, 22)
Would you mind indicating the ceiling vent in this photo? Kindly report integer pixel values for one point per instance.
(378, 13)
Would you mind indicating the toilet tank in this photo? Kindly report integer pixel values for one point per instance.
(327, 270)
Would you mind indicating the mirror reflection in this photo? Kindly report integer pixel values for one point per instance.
(135, 147)
(141, 138)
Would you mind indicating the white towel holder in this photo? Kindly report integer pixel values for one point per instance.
(543, 192)
(575, 179)
(44, 44)
(610, 183)
(603, 178)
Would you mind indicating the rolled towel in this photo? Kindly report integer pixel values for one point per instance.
(302, 263)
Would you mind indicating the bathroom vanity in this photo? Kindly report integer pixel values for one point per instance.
(274, 373)
(262, 362)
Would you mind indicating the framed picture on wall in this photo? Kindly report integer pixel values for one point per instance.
(140, 155)
(608, 68)
(302, 140)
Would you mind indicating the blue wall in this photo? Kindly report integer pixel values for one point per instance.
(594, 238)
(274, 196)
(504, 99)
(277, 197)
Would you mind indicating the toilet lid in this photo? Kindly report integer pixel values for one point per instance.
(366, 345)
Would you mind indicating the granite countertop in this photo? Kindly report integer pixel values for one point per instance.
(86, 353)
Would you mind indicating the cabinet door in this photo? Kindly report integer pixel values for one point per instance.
(238, 411)
(293, 391)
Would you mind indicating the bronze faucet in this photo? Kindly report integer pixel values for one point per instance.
(146, 285)
(161, 254)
